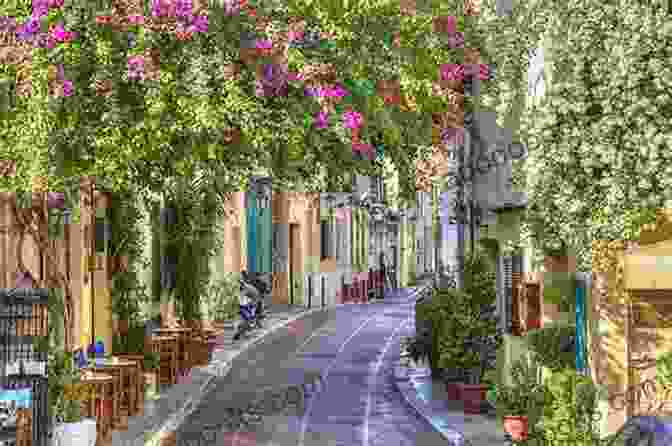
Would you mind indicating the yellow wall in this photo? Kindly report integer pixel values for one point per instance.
(649, 267)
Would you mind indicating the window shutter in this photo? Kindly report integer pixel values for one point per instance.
(507, 266)
(324, 232)
(533, 303)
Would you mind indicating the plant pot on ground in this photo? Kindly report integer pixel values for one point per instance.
(472, 391)
(67, 394)
(515, 402)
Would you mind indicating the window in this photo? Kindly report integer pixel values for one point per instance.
(326, 239)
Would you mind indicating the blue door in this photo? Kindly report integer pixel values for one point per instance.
(581, 286)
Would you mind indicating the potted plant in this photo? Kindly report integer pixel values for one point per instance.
(151, 365)
(417, 347)
(511, 401)
(517, 401)
(66, 395)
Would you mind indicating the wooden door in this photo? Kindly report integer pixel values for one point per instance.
(236, 250)
(295, 266)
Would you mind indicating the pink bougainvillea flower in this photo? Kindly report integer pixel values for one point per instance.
(365, 150)
(322, 120)
(136, 67)
(40, 8)
(24, 280)
(201, 23)
(452, 71)
(352, 119)
(136, 19)
(456, 40)
(484, 72)
(67, 88)
(55, 200)
(337, 91)
(295, 35)
(58, 32)
(292, 76)
(263, 44)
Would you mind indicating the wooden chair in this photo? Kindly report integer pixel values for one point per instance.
(166, 347)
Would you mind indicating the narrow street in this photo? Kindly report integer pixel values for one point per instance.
(341, 362)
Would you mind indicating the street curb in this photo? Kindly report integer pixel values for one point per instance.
(175, 420)
(403, 386)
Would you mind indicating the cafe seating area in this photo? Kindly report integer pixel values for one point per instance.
(119, 380)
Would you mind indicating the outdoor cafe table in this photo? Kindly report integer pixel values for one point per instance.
(128, 372)
(105, 388)
(182, 334)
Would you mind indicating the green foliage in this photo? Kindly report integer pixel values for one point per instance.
(546, 343)
(597, 140)
(127, 239)
(664, 370)
(570, 409)
(454, 318)
(524, 396)
(480, 279)
(193, 239)
(133, 343)
(65, 391)
(222, 298)
(152, 361)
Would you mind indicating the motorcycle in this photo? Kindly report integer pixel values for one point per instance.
(251, 305)
(262, 284)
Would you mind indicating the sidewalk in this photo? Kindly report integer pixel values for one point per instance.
(177, 401)
(428, 397)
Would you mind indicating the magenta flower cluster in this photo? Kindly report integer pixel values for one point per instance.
(183, 9)
(453, 72)
(136, 68)
(352, 119)
(337, 91)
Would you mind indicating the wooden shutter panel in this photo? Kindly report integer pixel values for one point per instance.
(512, 270)
(532, 306)
(508, 293)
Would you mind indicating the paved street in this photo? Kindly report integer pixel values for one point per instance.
(324, 380)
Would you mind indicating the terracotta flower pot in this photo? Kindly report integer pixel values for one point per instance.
(516, 426)
(473, 396)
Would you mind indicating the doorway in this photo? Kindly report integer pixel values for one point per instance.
(295, 255)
